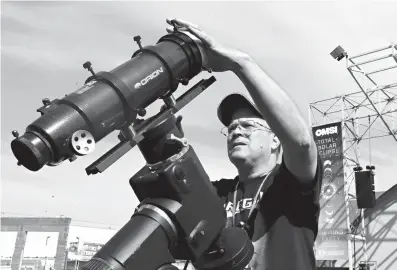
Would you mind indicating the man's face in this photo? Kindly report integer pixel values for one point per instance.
(250, 138)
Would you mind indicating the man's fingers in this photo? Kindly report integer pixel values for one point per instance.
(193, 29)
(169, 21)
(205, 39)
(182, 23)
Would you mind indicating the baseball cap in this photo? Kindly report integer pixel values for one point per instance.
(232, 103)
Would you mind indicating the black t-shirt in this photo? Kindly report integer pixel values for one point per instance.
(286, 224)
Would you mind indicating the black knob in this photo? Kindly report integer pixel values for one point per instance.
(46, 102)
(163, 107)
(137, 39)
(121, 137)
(87, 65)
(184, 81)
(141, 112)
(15, 133)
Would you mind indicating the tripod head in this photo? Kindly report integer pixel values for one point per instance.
(180, 215)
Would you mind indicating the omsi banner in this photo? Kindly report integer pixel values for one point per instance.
(331, 242)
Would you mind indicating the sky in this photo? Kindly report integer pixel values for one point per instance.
(44, 44)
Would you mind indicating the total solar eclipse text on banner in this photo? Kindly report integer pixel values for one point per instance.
(331, 242)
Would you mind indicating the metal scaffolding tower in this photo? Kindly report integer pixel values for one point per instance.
(366, 114)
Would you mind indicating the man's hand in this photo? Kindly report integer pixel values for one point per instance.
(218, 57)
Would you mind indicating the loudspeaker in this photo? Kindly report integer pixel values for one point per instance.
(365, 189)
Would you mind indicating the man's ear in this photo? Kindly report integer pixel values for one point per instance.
(275, 144)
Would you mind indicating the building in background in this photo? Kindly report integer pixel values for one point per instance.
(25, 228)
(27, 264)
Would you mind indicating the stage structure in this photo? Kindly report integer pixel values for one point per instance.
(364, 115)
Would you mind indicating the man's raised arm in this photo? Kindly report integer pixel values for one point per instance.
(280, 112)
(283, 117)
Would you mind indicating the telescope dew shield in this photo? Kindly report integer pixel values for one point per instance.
(108, 101)
(142, 243)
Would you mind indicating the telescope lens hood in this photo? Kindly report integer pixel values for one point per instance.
(31, 151)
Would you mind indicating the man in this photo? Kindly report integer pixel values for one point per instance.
(275, 195)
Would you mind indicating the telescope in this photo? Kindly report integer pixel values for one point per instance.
(180, 216)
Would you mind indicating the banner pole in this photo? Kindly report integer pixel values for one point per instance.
(346, 190)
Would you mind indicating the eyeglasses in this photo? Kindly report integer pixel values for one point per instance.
(246, 127)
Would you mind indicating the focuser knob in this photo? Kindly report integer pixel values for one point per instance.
(87, 65)
(46, 101)
(15, 134)
(137, 39)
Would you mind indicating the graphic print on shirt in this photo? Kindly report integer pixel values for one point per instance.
(243, 204)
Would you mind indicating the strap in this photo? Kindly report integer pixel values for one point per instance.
(255, 202)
